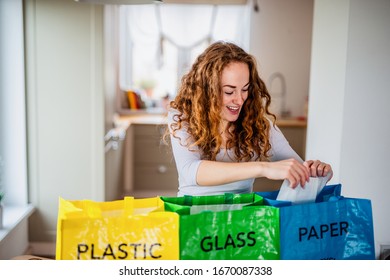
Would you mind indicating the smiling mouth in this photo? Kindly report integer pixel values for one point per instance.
(233, 109)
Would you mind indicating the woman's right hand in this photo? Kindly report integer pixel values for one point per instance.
(291, 169)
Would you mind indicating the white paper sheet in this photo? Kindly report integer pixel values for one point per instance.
(306, 194)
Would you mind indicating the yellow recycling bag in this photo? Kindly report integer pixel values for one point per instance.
(133, 229)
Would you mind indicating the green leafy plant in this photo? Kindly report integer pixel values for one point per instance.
(147, 83)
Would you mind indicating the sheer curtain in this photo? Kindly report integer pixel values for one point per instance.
(13, 139)
(160, 42)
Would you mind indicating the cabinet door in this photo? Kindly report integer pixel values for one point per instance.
(149, 146)
(296, 136)
(154, 167)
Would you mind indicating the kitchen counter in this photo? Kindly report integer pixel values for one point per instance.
(144, 119)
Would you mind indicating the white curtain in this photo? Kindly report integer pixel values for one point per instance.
(161, 41)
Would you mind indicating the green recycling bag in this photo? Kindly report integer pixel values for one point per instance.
(226, 227)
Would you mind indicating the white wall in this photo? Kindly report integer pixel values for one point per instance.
(327, 83)
(64, 51)
(281, 42)
(349, 98)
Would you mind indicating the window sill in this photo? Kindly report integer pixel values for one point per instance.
(13, 216)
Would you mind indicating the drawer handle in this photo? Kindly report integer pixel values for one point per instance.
(162, 169)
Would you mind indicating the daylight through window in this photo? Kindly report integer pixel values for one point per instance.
(158, 44)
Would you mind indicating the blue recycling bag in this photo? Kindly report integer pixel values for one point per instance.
(331, 228)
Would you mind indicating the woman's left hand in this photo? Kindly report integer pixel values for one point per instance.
(318, 168)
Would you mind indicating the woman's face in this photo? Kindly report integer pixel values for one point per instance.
(235, 85)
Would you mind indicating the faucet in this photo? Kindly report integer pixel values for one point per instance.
(277, 75)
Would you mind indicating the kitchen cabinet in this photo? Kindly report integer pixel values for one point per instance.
(154, 166)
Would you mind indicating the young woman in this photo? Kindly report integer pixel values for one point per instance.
(222, 133)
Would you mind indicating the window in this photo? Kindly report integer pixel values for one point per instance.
(13, 150)
(158, 43)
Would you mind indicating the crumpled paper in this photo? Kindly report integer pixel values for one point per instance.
(305, 194)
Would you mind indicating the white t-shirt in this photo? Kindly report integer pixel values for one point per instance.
(187, 162)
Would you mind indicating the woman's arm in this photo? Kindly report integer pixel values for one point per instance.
(217, 173)
(281, 149)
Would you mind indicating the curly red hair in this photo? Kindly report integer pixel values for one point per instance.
(199, 102)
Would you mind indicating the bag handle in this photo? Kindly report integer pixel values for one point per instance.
(94, 209)
(226, 198)
(128, 206)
